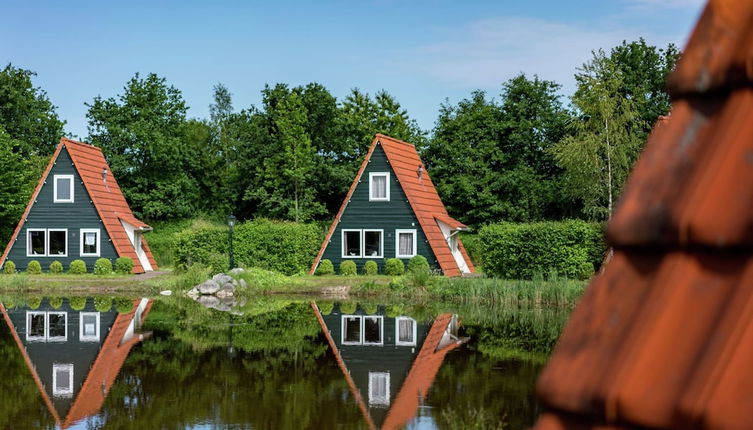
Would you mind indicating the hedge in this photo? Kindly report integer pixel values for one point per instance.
(573, 249)
(281, 246)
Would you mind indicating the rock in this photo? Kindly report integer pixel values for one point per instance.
(225, 292)
(193, 293)
(336, 291)
(209, 301)
(208, 287)
(166, 293)
(213, 302)
(237, 270)
(222, 279)
(242, 283)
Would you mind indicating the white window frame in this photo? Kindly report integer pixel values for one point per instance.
(381, 329)
(343, 331)
(55, 189)
(28, 242)
(397, 331)
(81, 242)
(47, 244)
(343, 250)
(381, 243)
(63, 338)
(42, 338)
(386, 188)
(62, 393)
(397, 242)
(385, 401)
(83, 337)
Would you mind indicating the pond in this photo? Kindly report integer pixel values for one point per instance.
(270, 363)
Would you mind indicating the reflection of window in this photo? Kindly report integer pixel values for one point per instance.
(57, 325)
(58, 242)
(379, 186)
(372, 243)
(36, 242)
(63, 189)
(88, 330)
(405, 246)
(62, 380)
(405, 331)
(351, 243)
(36, 325)
(362, 330)
(46, 326)
(89, 242)
(379, 388)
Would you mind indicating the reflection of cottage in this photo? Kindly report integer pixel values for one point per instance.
(392, 210)
(75, 356)
(389, 362)
(76, 212)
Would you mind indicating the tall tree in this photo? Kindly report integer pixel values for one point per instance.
(142, 135)
(18, 174)
(607, 139)
(26, 114)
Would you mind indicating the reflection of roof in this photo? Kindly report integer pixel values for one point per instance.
(102, 374)
(105, 194)
(664, 337)
(420, 377)
(422, 197)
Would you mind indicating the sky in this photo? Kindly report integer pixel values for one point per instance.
(423, 52)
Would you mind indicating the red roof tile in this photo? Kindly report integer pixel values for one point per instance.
(663, 338)
(422, 196)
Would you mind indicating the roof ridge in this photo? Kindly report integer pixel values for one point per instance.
(378, 135)
(89, 145)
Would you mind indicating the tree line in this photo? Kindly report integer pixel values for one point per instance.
(526, 154)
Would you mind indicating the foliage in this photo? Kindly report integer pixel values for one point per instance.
(517, 251)
(18, 176)
(284, 247)
(77, 303)
(325, 308)
(34, 268)
(418, 277)
(34, 302)
(123, 265)
(103, 304)
(371, 268)
(123, 305)
(77, 267)
(394, 267)
(260, 280)
(348, 308)
(56, 302)
(348, 268)
(103, 266)
(9, 268)
(507, 292)
(474, 248)
(56, 267)
(325, 267)
(418, 264)
(193, 276)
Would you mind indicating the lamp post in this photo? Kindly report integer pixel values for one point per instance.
(231, 224)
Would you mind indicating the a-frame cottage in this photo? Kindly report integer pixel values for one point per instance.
(392, 210)
(77, 211)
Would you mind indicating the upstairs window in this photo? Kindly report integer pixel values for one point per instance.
(379, 187)
(379, 388)
(406, 243)
(62, 380)
(63, 188)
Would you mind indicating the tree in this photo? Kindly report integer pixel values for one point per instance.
(26, 114)
(18, 175)
(607, 139)
(142, 135)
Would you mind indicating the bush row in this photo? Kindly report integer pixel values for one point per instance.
(572, 249)
(102, 266)
(281, 246)
(101, 304)
(392, 267)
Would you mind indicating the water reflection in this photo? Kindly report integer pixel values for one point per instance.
(74, 355)
(389, 362)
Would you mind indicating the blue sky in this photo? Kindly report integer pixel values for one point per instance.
(420, 51)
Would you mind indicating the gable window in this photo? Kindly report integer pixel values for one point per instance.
(62, 380)
(379, 186)
(46, 326)
(36, 242)
(88, 330)
(379, 388)
(453, 242)
(372, 244)
(405, 329)
(352, 243)
(405, 246)
(89, 246)
(57, 242)
(63, 188)
(362, 330)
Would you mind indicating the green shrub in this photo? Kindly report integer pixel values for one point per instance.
(56, 302)
(348, 308)
(370, 309)
(418, 277)
(325, 268)
(325, 308)
(394, 267)
(348, 268)
(77, 267)
(518, 251)
(56, 267)
(34, 302)
(123, 305)
(9, 267)
(218, 263)
(77, 303)
(102, 266)
(102, 304)
(398, 285)
(34, 268)
(370, 268)
(418, 263)
(281, 246)
(124, 265)
(473, 247)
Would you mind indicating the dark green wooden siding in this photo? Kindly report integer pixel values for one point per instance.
(395, 214)
(73, 216)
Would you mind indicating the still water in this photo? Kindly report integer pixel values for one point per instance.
(272, 363)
